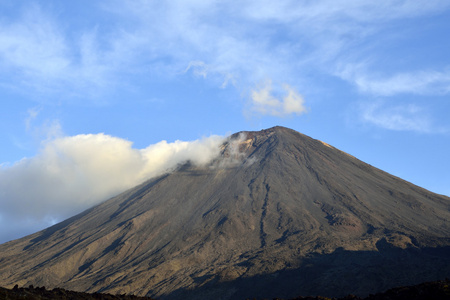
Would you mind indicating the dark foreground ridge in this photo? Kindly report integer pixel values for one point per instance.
(41, 293)
(436, 290)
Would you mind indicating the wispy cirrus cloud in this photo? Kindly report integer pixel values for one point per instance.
(425, 82)
(42, 59)
(231, 45)
(399, 117)
(33, 45)
(247, 44)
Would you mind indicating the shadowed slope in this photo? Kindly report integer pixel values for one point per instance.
(270, 202)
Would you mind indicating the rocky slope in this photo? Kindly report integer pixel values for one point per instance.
(278, 214)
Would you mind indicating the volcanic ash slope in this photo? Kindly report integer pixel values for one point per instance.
(278, 214)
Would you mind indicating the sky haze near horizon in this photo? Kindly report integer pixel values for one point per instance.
(96, 97)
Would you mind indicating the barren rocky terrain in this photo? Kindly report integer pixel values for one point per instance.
(278, 214)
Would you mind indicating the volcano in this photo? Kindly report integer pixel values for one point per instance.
(277, 214)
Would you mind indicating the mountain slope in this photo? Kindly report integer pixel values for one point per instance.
(276, 208)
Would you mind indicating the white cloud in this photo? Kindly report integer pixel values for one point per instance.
(419, 82)
(332, 10)
(199, 68)
(34, 45)
(39, 55)
(228, 44)
(73, 173)
(259, 40)
(242, 44)
(265, 103)
(400, 117)
(42, 130)
(32, 115)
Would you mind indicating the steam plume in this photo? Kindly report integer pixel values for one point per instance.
(70, 174)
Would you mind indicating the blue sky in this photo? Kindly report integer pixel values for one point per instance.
(97, 96)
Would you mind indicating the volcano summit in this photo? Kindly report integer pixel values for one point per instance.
(277, 214)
